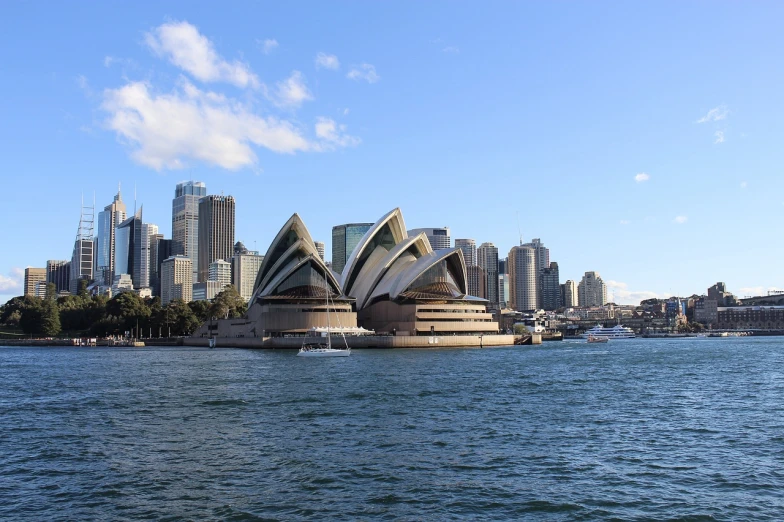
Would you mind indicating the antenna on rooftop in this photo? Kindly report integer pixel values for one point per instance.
(519, 231)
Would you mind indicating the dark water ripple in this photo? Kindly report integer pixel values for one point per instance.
(636, 430)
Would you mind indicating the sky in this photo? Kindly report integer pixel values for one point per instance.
(639, 140)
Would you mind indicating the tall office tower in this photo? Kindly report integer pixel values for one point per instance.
(344, 240)
(503, 289)
(468, 246)
(149, 234)
(591, 291)
(569, 294)
(59, 273)
(185, 221)
(108, 220)
(542, 258)
(522, 278)
(83, 257)
(176, 279)
(487, 258)
(320, 248)
(477, 281)
(438, 237)
(550, 288)
(220, 271)
(32, 277)
(216, 232)
(160, 250)
(128, 240)
(244, 269)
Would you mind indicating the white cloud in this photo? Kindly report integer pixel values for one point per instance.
(365, 72)
(345, 111)
(84, 85)
(268, 45)
(292, 92)
(12, 283)
(333, 134)
(641, 177)
(165, 130)
(719, 137)
(743, 184)
(757, 290)
(327, 61)
(715, 114)
(451, 49)
(183, 45)
(108, 61)
(680, 219)
(625, 222)
(620, 293)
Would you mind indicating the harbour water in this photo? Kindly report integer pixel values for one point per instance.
(682, 429)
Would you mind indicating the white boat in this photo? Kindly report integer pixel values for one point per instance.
(324, 348)
(616, 332)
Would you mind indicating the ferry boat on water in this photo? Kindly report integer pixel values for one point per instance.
(616, 332)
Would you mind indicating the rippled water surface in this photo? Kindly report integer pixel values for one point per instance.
(635, 429)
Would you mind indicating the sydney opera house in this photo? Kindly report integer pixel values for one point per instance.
(392, 284)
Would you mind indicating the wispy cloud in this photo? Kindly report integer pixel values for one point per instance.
(743, 184)
(327, 61)
(292, 91)
(12, 283)
(268, 45)
(183, 45)
(641, 177)
(165, 131)
(334, 135)
(84, 85)
(680, 220)
(622, 295)
(719, 137)
(365, 72)
(625, 222)
(715, 114)
(451, 49)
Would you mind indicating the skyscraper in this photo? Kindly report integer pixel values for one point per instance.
(33, 276)
(321, 249)
(220, 272)
(108, 220)
(59, 273)
(542, 260)
(570, 294)
(438, 237)
(521, 264)
(176, 279)
(550, 288)
(591, 291)
(244, 269)
(216, 232)
(83, 257)
(477, 281)
(487, 258)
(185, 221)
(128, 241)
(468, 246)
(344, 240)
(160, 249)
(147, 272)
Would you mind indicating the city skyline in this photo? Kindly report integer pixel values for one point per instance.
(648, 172)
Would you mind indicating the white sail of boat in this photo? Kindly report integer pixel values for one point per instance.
(321, 348)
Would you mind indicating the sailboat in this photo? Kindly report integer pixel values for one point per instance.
(320, 348)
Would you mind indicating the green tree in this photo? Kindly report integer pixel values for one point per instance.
(51, 291)
(129, 310)
(201, 309)
(82, 288)
(180, 318)
(228, 304)
(49, 325)
(30, 320)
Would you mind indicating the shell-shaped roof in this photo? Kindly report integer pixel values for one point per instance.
(394, 284)
(291, 231)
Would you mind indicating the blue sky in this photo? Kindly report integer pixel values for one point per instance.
(638, 140)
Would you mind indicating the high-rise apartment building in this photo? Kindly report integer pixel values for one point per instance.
(33, 276)
(216, 232)
(569, 294)
(468, 246)
(550, 288)
(220, 272)
(244, 269)
(59, 274)
(147, 272)
(487, 258)
(176, 279)
(108, 220)
(477, 281)
(321, 248)
(344, 240)
(438, 237)
(542, 259)
(591, 291)
(83, 256)
(521, 264)
(185, 221)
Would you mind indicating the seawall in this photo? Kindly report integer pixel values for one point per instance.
(370, 341)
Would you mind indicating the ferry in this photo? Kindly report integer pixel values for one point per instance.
(616, 332)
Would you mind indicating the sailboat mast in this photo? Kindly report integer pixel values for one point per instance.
(326, 294)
